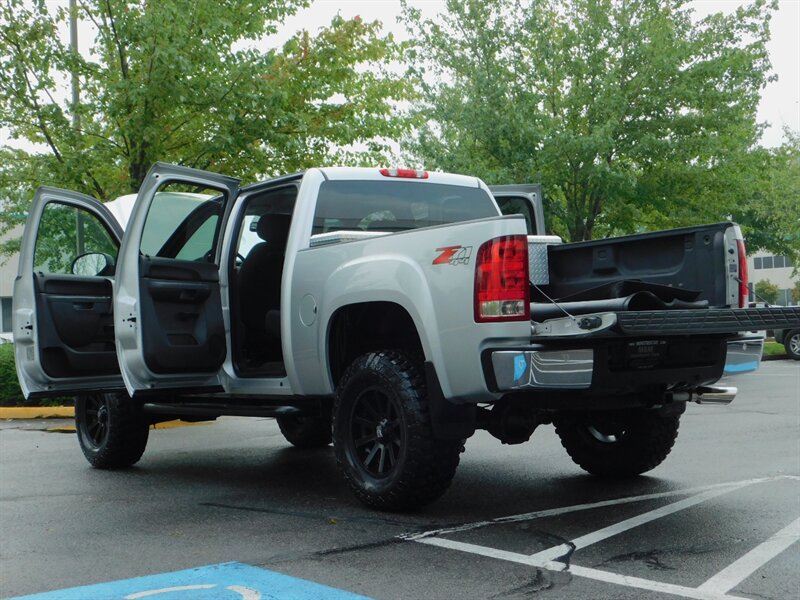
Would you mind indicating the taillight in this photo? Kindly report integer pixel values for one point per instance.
(744, 290)
(502, 290)
(405, 173)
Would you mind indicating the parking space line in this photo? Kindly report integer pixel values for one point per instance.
(716, 588)
(552, 512)
(650, 585)
(489, 552)
(622, 526)
(578, 571)
(734, 574)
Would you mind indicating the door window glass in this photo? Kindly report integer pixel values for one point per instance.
(67, 232)
(182, 225)
(511, 205)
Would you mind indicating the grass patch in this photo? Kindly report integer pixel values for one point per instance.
(773, 348)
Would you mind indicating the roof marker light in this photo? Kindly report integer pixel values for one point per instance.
(405, 173)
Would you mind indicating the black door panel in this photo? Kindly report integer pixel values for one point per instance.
(181, 308)
(73, 285)
(75, 326)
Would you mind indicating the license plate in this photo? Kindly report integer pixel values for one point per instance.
(645, 354)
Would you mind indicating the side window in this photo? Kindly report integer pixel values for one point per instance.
(266, 219)
(66, 233)
(182, 225)
(509, 205)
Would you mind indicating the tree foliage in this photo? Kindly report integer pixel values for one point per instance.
(182, 81)
(771, 216)
(766, 291)
(633, 114)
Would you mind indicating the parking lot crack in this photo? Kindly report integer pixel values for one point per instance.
(541, 581)
(308, 515)
(358, 547)
(652, 558)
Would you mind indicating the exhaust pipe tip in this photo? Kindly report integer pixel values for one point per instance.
(714, 395)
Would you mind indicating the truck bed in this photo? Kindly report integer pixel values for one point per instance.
(691, 260)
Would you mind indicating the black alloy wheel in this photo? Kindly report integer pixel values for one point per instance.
(95, 425)
(377, 434)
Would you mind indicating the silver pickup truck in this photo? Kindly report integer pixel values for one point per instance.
(389, 312)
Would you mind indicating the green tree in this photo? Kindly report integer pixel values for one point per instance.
(766, 291)
(796, 292)
(632, 114)
(181, 81)
(771, 215)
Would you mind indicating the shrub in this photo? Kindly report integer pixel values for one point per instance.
(767, 291)
(10, 393)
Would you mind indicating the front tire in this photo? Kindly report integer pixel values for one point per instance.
(383, 437)
(618, 443)
(791, 342)
(112, 431)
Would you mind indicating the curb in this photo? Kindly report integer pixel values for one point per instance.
(36, 412)
(9, 413)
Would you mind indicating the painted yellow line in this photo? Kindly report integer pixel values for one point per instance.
(36, 412)
(164, 425)
(177, 423)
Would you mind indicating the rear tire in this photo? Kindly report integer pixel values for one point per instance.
(306, 432)
(791, 341)
(383, 437)
(112, 430)
(618, 443)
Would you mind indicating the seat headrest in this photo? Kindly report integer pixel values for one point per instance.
(274, 229)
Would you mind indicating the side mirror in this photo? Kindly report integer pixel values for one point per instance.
(93, 264)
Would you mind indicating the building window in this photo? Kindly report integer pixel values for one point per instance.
(757, 263)
(767, 262)
(5, 315)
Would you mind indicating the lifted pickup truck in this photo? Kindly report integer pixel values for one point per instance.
(390, 312)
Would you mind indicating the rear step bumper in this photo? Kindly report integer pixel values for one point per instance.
(668, 322)
(678, 322)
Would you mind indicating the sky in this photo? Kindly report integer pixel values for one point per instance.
(780, 100)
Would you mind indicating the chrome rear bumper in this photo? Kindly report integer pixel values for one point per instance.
(572, 369)
(744, 354)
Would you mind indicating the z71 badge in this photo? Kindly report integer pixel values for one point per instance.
(453, 255)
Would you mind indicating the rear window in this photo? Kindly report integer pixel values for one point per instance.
(397, 205)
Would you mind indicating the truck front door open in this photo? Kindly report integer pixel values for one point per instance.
(63, 323)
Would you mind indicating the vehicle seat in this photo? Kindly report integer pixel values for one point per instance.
(260, 288)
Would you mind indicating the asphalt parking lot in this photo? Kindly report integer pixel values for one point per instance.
(230, 510)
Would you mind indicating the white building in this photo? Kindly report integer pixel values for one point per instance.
(8, 271)
(777, 269)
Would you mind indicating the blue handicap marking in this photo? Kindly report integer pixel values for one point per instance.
(520, 366)
(742, 367)
(225, 581)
